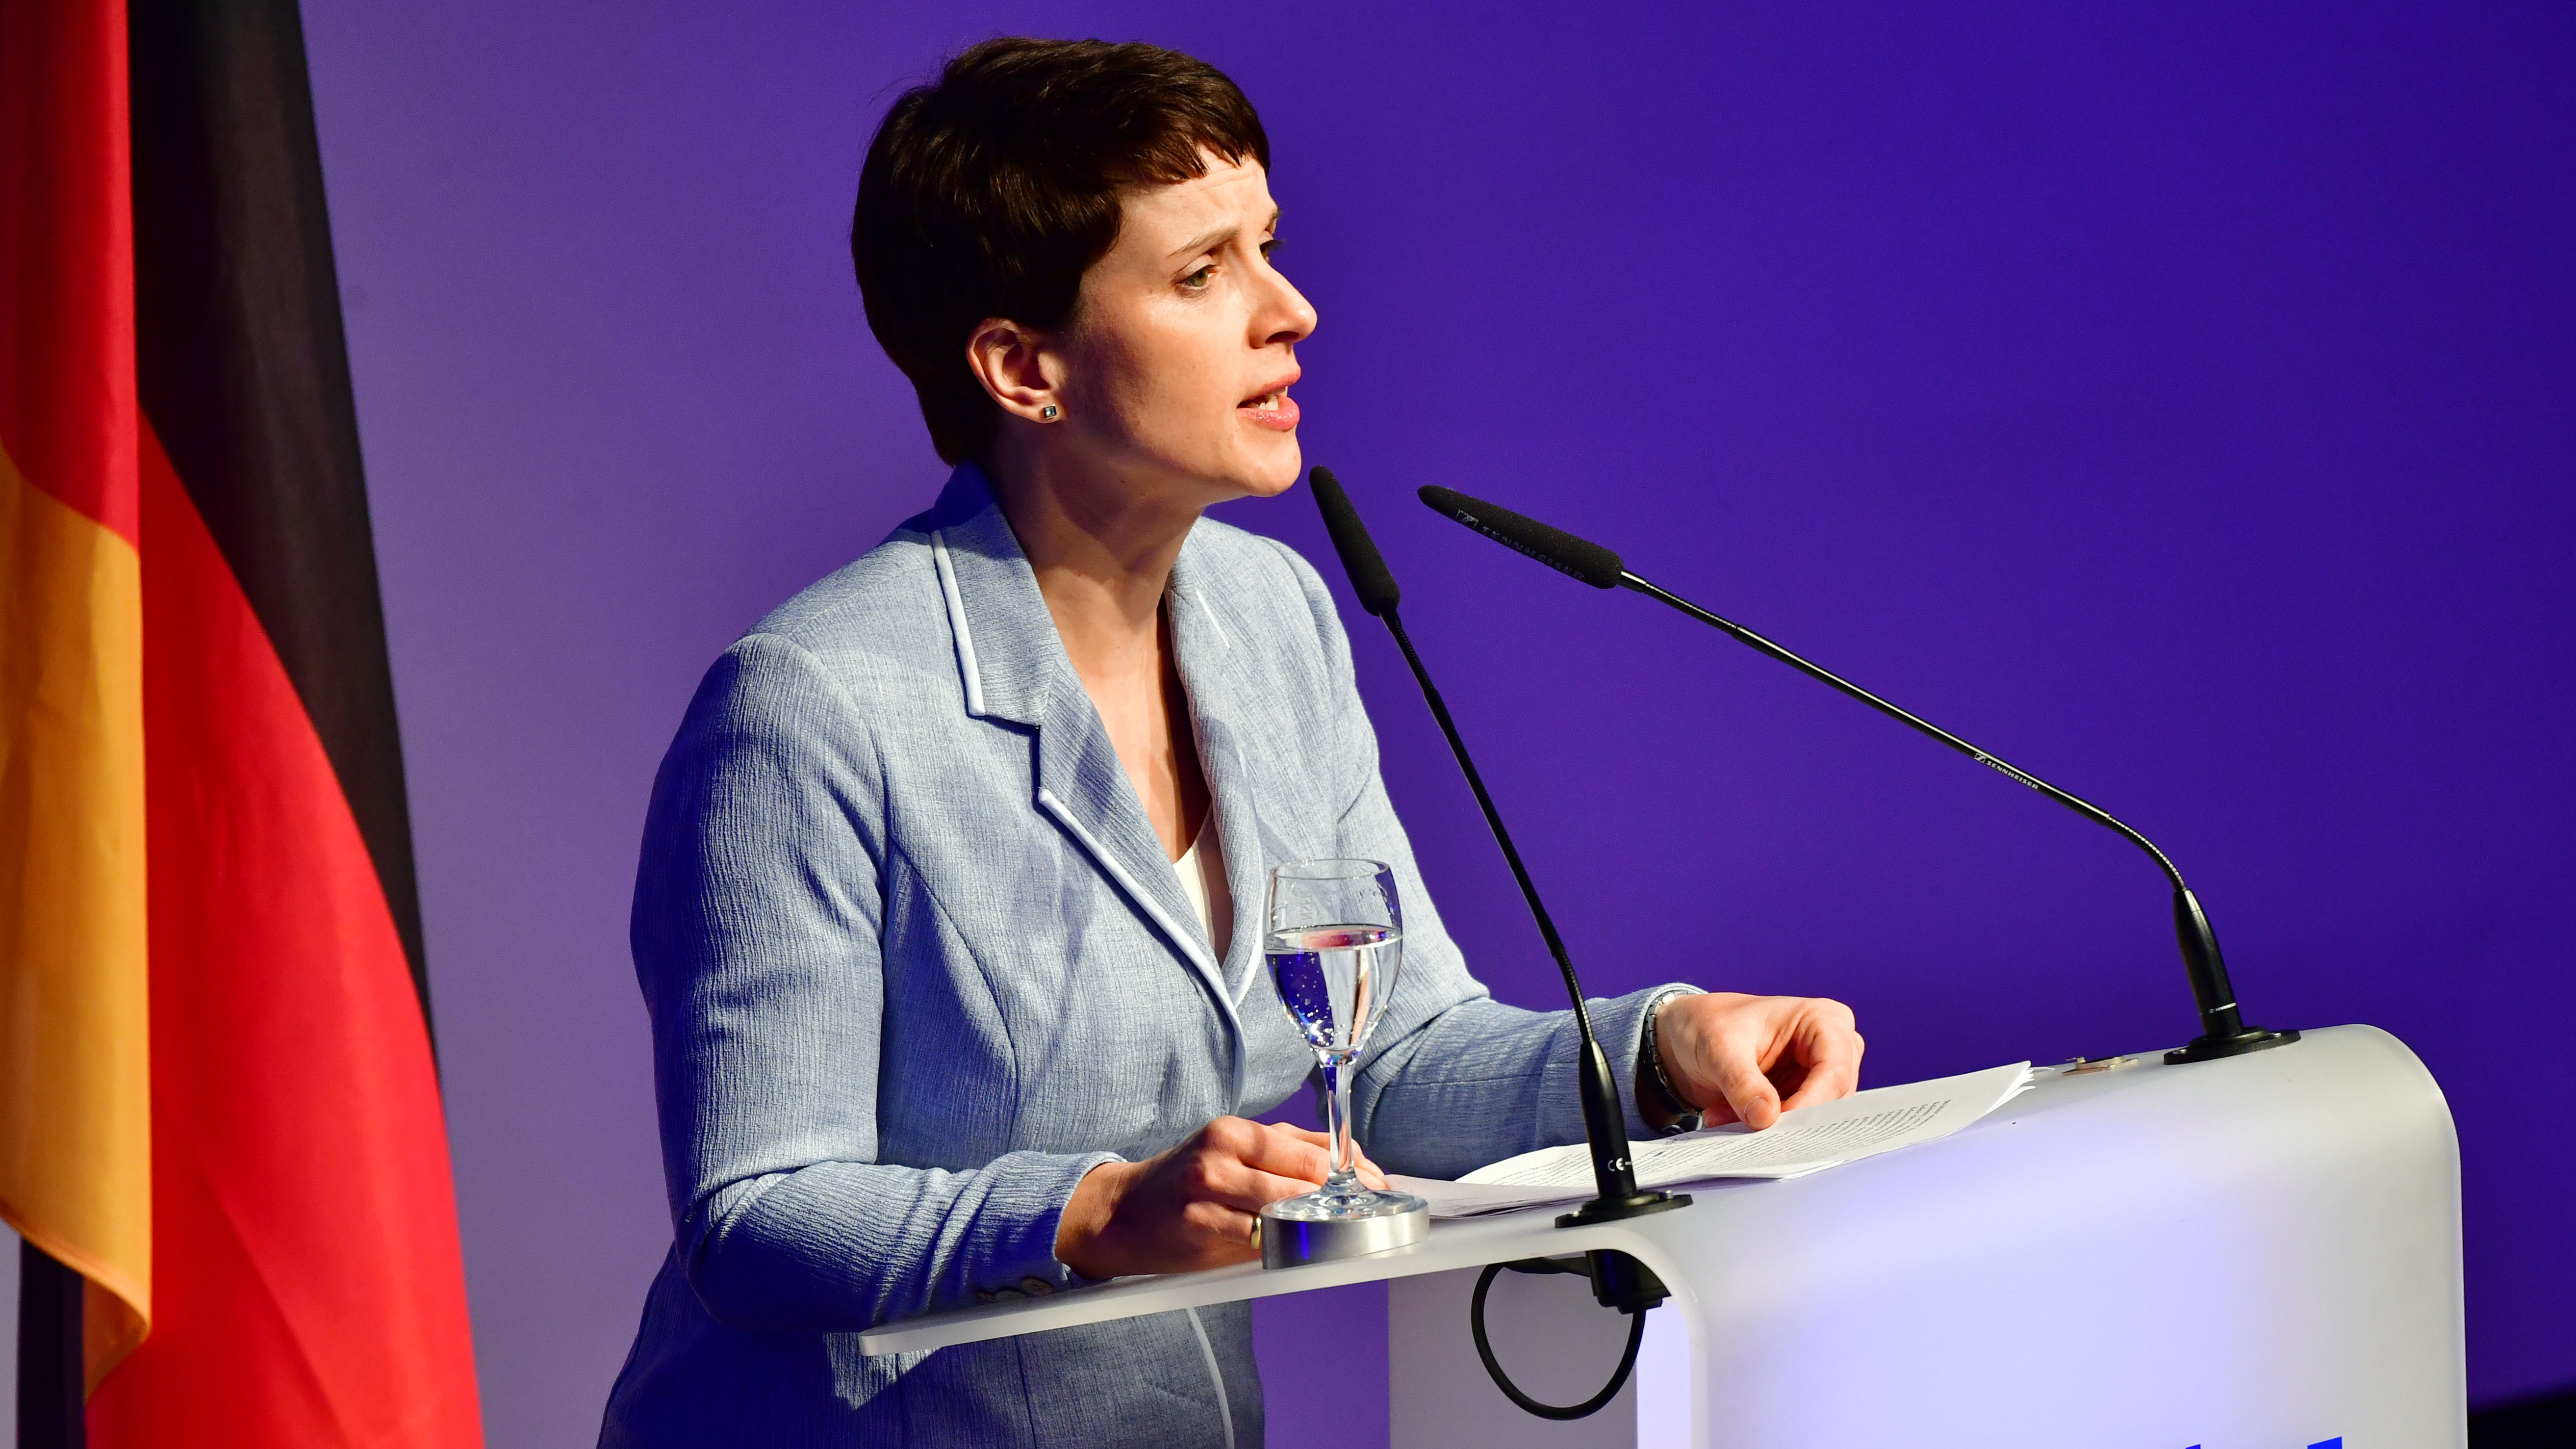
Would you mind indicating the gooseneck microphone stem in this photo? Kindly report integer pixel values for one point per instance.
(2223, 1029)
(1605, 1125)
(2224, 1032)
(1809, 667)
(1494, 822)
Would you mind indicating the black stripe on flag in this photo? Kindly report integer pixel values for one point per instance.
(244, 374)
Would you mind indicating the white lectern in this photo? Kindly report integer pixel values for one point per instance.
(2256, 1253)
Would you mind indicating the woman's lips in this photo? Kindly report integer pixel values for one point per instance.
(1276, 411)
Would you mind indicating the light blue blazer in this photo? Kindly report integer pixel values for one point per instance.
(916, 962)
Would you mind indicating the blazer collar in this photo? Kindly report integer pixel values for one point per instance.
(1009, 657)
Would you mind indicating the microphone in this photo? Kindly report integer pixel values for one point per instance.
(1614, 1175)
(2223, 1029)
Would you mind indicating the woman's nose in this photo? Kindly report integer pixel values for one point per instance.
(1285, 315)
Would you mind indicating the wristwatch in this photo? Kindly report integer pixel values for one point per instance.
(1661, 1106)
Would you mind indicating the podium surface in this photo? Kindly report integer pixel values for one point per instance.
(2255, 1253)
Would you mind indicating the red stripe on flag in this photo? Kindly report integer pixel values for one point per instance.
(67, 412)
(310, 1287)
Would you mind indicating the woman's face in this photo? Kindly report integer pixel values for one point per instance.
(1176, 366)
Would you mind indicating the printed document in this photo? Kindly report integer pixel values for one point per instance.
(1807, 1140)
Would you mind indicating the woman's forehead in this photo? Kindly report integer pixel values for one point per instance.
(1184, 215)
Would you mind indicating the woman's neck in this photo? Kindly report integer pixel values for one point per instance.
(1102, 556)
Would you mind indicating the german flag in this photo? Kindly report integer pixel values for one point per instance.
(220, 1131)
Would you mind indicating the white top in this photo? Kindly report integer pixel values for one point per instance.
(1202, 872)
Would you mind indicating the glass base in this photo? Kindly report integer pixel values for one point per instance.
(1322, 1226)
(1326, 1205)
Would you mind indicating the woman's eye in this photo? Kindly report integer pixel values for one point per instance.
(1268, 247)
(1198, 280)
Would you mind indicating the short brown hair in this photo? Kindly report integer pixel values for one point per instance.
(989, 192)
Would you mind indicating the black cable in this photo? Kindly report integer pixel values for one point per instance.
(1590, 1406)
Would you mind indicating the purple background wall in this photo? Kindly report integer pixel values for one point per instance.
(2177, 402)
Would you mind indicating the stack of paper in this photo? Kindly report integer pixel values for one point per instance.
(1810, 1139)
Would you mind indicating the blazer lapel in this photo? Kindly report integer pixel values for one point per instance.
(1212, 673)
(1222, 671)
(1014, 667)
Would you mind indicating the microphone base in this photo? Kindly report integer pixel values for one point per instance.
(1611, 1209)
(2212, 1048)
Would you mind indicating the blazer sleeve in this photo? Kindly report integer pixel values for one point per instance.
(1452, 1079)
(758, 906)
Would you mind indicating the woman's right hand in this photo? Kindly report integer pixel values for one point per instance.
(1195, 1206)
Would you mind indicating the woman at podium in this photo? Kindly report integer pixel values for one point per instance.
(945, 908)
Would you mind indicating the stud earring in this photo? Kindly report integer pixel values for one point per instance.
(1048, 412)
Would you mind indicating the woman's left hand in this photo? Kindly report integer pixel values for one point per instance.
(1747, 1059)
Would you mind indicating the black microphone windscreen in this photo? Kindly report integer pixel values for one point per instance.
(1553, 547)
(1369, 578)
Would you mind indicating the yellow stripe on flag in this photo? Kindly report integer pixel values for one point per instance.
(75, 1051)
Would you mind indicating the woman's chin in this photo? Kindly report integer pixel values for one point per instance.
(1224, 474)
(1276, 471)
(1272, 487)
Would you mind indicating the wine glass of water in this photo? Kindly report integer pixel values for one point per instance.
(1334, 940)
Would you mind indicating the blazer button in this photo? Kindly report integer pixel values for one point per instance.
(1036, 1287)
(1007, 1295)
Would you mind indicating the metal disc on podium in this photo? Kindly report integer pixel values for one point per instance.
(1392, 1220)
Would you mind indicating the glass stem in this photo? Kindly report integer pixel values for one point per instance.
(1337, 1123)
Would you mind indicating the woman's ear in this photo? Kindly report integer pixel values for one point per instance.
(1018, 369)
